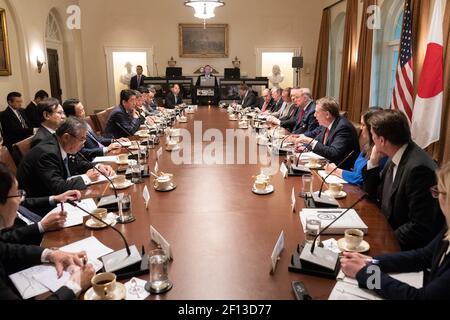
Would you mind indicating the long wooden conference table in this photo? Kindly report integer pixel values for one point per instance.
(222, 235)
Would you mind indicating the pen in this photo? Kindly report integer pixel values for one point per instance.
(62, 207)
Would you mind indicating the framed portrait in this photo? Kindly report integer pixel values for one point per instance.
(196, 41)
(5, 62)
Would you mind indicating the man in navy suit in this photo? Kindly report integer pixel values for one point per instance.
(51, 115)
(138, 80)
(15, 124)
(32, 111)
(95, 145)
(249, 99)
(174, 98)
(337, 137)
(124, 121)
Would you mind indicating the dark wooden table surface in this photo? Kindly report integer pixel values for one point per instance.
(222, 235)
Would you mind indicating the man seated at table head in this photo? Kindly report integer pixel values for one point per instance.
(124, 121)
(433, 259)
(266, 101)
(174, 98)
(51, 115)
(95, 146)
(20, 225)
(402, 187)
(248, 97)
(336, 138)
(207, 79)
(47, 169)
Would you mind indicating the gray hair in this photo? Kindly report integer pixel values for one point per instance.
(72, 126)
(279, 91)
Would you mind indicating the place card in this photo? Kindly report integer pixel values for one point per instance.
(284, 170)
(161, 241)
(279, 247)
(146, 195)
(294, 200)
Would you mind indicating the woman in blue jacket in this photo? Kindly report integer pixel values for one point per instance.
(355, 176)
(435, 258)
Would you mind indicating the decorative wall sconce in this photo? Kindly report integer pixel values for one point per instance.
(39, 64)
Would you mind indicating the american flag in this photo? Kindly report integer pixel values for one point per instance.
(403, 94)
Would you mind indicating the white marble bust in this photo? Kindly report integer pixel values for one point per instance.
(126, 77)
(276, 77)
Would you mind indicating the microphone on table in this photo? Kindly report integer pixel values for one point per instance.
(123, 129)
(320, 261)
(125, 263)
(307, 147)
(127, 247)
(325, 201)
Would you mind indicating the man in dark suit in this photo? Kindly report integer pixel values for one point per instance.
(277, 96)
(47, 170)
(207, 76)
(138, 80)
(307, 123)
(95, 146)
(15, 124)
(51, 115)
(337, 137)
(32, 112)
(124, 121)
(249, 99)
(149, 105)
(174, 98)
(14, 258)
(266, 102)
(402, 189)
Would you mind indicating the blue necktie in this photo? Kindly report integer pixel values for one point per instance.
(101, 146)
(66, 165)
(29, 215)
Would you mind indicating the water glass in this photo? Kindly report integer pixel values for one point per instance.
(306, 186)
(313, 227)
(159, 272)
(136, 174)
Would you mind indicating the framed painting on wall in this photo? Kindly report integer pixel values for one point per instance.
(198, 41)
(5, 62)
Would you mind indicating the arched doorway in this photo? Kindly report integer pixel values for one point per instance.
(55, 56)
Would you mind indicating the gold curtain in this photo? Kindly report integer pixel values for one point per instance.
(360, 92)
(321, 70)
(350, 55)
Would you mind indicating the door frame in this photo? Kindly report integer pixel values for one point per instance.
(110, 67)
(58, 46)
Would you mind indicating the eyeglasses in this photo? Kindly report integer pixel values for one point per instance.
(436, 193)
(61, 113)
(79, 139)
(20, 194)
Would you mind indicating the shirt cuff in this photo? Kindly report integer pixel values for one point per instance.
(41, 228)
(75, 287)
(105, 151)
(51, 201)
(314, 143)
(45, 257)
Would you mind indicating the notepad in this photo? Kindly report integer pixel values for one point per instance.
(351, 220)
(112, 159)
(75, 215)
(332, 178)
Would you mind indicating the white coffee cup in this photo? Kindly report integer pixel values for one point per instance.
(353, 238)
(163, 182)
(261, 185)
(336, 188)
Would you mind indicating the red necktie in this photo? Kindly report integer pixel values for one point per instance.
(325, 138)
(302, 114)
(265, 106)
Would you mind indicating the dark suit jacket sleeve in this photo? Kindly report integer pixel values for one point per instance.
(49, 168)
(37, 204)
(372, 182)
(19, 257)
(421, 206)
(131, 127)
(313, 126)
(29, 235)
(412, 261)
(290, 123)
(32, 115)
(12, 128)
(170, 101)
(252, 101)
(337, 150)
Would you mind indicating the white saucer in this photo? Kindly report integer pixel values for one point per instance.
(243, 128)
(173, 186)
(316, 166)
(128, 162)
(94, 224)
(181, 121)
(363, 247)
(121, 186)
(270, 189)
(119, 294)
(234, 119)
(341, 195)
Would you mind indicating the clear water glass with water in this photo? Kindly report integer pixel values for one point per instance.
(159, 271)
(313, 227)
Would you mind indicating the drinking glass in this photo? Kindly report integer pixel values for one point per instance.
(159, 272)
(306, 186)
(136, 174)
(313, 227)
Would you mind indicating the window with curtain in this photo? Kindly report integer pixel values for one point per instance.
(385, 55)
(335, 55)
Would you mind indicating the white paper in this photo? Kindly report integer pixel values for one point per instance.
(49, 279)
(93, 247)
(126, 144)
(331, 245)
(308, 155)
(279, 247)
(351, 220)
(332, 178)
(27, 286)
(146, 195)
(75, 215)
(294, 200)
(89, 182)
(112, 159)
(136, 289)
(284, 170)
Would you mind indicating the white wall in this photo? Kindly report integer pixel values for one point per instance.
(154, 23)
